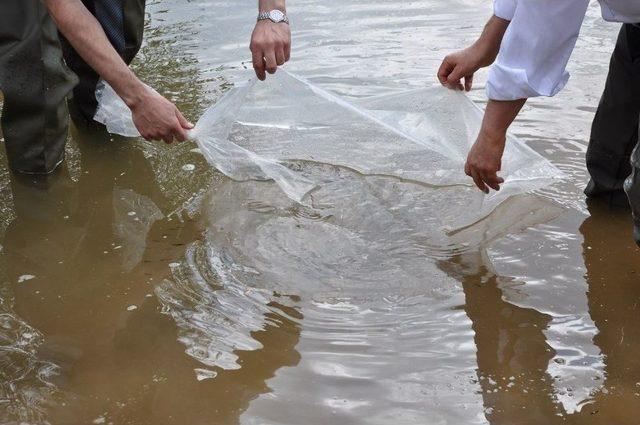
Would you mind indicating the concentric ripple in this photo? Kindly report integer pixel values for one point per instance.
(383, 335)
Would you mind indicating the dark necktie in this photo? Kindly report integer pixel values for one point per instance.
(110, 14)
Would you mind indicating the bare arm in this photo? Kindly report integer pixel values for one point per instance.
(154, 116)
(270, 42)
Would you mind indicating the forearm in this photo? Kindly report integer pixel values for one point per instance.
(491, 38)
(87, 37)
(498, 117)
(269, 5)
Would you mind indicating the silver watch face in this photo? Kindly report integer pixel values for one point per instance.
(276, 16)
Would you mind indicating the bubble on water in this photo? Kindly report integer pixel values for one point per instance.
(188, 167)
(25, 277)
(132, 307)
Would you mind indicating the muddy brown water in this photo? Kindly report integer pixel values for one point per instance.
(140, 286)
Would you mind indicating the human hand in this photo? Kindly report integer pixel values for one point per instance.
(270, 46)
(156, 118)
(463, 64)
(485, 160)
(485, 157)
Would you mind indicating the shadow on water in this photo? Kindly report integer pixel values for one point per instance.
(513, 353)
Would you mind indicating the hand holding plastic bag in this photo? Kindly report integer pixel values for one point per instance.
(155, 116)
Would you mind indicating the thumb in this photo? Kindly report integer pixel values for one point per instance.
(183, 121)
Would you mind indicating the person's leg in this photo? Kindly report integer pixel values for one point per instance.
(123, 22)
(35, 83)
(615, 127)
(632, 187)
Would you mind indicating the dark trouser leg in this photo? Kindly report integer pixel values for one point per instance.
(615, 128)
(35, 83)
(632, 187)
(123, 22)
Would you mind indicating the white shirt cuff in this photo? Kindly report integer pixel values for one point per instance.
(506, 83)
(504, 9)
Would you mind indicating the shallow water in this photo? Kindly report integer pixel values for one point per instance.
(140, 286)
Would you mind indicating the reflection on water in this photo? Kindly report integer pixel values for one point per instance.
(136, 290)
(82, 276)
(513, 351)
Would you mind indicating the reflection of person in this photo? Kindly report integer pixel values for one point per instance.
(613, 307)
(513, 353)
(125, 366)
(529, 44)
(100, 38)
(64, 234)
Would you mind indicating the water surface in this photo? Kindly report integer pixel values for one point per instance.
(140, 286)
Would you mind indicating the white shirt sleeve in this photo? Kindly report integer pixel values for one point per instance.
(504, 8)
(536, 48)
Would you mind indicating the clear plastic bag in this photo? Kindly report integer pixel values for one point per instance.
(258, 130)
(113, 112)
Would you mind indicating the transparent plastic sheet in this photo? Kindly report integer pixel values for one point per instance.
(267, 131)
(113, 112)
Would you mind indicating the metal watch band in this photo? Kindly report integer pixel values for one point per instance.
(269, 15)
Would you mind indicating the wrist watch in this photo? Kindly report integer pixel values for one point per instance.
(274, 15)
